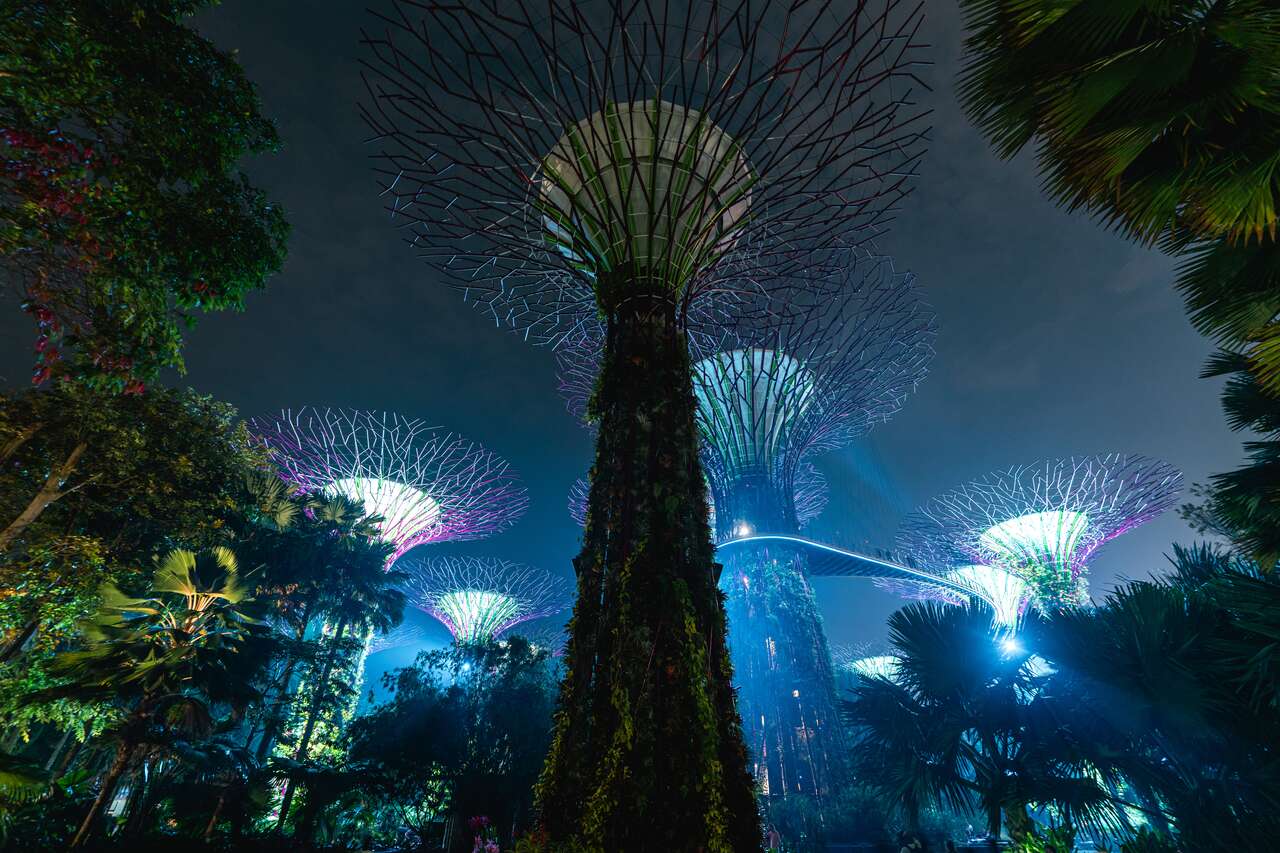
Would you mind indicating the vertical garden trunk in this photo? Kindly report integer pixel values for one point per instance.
(648, 751)
(782, 663)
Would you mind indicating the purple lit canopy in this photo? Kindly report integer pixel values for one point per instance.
(1042, 522)
(425, 484)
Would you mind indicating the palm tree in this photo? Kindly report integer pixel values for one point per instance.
(966, 723)
(164, 661)
(1244, 504)
(20, 783)
(1163, 119)
(359, 597)
(1180, 678)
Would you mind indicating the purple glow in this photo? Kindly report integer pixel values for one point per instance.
(1045, 518)
(428, 485)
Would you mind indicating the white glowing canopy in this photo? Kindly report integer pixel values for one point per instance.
(1005, 591)
(406, 512)
(1037, 538)
(477, 615)
(876, 666)
(747, 399)
(649, 183)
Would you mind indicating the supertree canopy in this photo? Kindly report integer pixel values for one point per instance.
(569, 161)
(399, 637)
(852, 660)
(958, 578)
(1042, 522)
(555, 153)
(426, 485)
(479, 599)
(772, 391)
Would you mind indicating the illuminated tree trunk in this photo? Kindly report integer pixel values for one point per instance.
(107, 787)
(313, 713)
(648, 751)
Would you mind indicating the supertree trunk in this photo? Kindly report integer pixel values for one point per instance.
(648, 751)
(787, 689)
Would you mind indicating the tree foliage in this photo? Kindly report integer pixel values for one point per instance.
(463, 735)
(969, 726)
(1159, 704)
(95, 484)
(123, 212)
(1162, 118)
(167, 661)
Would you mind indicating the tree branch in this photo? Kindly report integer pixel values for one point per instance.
(48, 494)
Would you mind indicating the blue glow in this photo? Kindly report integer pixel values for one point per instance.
(1004, 591)
(876, 666)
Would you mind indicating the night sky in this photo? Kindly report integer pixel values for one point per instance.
(1056, 337)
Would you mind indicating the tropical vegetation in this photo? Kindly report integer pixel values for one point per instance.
(123, 210)
(1151, 715)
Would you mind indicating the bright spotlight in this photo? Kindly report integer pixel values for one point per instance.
(743, 530)
(1010, 646)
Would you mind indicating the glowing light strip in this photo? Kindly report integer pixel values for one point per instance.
(887, 568)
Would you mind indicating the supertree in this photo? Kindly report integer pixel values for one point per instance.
(479, 599)
(426, 485)
(399, 637)
(956, 578)
(1043, 522)
(771, 393)
(851, 660)
(570, 160)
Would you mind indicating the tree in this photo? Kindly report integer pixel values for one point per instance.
(1244, 505)
(122, 210)
(167, 661)
(1179, 678)
(464, 733)
(358, 596)
(1162, 119)
(93, 485)
(965, 724)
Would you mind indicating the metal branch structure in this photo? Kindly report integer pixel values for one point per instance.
(547, 635)
(425, 484)
(957, 574)
(1042, 522)
(479, 599)
(774, 391)
(552, 153)
(399, 637)
(645, 164)
(852, 660)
